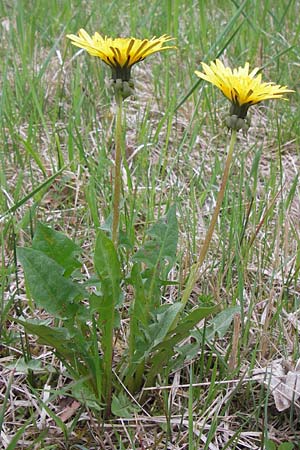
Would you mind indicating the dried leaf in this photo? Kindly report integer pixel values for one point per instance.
(283, 383)
(69, 411)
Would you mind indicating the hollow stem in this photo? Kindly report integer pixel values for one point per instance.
(194, 275)
(117, 178)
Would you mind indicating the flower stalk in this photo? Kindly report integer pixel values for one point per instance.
(117, 177)
(243, 89)
(194, 275)
(120, 54)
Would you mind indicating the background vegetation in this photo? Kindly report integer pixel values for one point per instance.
(56, 156)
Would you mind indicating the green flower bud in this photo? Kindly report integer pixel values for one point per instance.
(237, 123)
(118, 87)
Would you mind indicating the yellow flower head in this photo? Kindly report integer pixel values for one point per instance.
(242, 88)
(121, 53)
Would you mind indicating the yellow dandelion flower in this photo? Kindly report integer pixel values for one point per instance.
(241, 87)
(120, 53)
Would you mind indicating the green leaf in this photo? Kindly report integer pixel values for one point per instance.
(56, 337)
(158, 255)
(139, 310)
(286, 446)
(84, 394)
(148, 338)
(184, 327)
(122, 406)
(108, 268)
(165, 318)
(292, 192)
(58, 247)
(163, 352)
(270, 445)
(50, 290)
(23, 366)
(92, 200)
(109, 271)
(72, 348)
(161, 248)
(221, 322)
(138, 313)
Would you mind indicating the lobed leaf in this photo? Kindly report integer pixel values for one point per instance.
(163, 352)
(108, 268)
(161, 248)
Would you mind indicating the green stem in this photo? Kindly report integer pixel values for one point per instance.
(194, 275)
(117, 180)
(108, 358)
